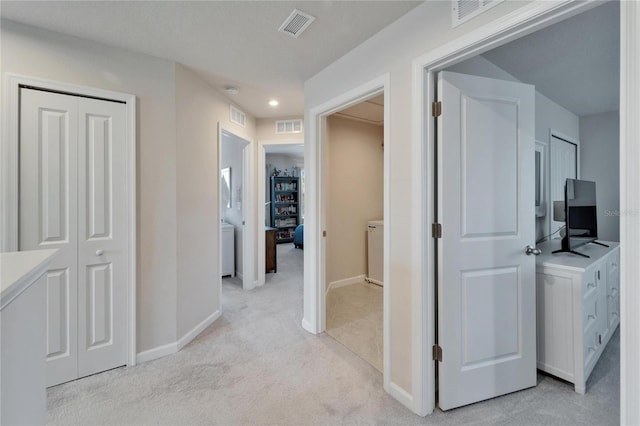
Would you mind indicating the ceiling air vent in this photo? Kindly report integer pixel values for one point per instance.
(288, 126)
(237, 116)
(296, 23)
(463, 10)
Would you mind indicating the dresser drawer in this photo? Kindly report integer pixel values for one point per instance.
(589, 284)
(590, 310)
(591, 344)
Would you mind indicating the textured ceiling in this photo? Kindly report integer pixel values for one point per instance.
(575, 63)
(226, 42)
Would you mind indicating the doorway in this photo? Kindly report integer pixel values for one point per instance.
(549, 118)
(236, 231)
(281, 207)
(354, 160)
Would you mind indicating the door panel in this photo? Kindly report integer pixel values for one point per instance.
(102, 328)
(486, 283)
(48, 215)
(73, 198)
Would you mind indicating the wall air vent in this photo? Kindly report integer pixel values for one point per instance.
(237, 116)
(288, 126)
(463, 10)
(296, 23)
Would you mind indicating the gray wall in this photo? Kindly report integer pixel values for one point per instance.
(600, 162)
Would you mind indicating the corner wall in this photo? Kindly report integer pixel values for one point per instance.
(391, 51)
(600, 162)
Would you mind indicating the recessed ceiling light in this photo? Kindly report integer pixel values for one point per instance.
(232, 90)
(273, 102)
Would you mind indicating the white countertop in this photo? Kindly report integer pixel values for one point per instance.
(570, 260)
(19, 269)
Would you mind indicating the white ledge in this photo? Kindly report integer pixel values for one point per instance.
(18, 271)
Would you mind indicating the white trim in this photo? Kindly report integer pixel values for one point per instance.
(158, 352)
(521, 22)
(576, 142)
(314, 319)
(345, 282)
(174, 347)
(400, 394)
(630, 219)
(260, 188)
(195, 331)
(9, 176)
(248, 210)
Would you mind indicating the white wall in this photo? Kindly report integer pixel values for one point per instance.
(355, 171)
(391, 51)
(176, 152)
(600, 162)
(232, 156)
(549, 115)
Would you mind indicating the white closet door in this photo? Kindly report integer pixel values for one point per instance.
(73, 197)
(102, 236)
(48, 215)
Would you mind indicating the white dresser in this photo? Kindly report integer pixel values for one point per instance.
(228, 249)
(578, 308)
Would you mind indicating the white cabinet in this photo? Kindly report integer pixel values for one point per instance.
(578, 307)
(228, 250)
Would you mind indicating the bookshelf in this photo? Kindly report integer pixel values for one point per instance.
(285, 207)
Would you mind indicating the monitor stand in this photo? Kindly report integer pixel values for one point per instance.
(600, 244)
(565, 248)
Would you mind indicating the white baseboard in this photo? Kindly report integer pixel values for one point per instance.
(156, 353)
(307, 326)
(193, 333)
(345, 282)
(171, 348)
(404, 397)
(374, 281)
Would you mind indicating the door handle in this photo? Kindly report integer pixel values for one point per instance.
(99, 252)
(532, 251)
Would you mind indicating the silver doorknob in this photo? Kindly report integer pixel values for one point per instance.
(532, 251)
(99, 252)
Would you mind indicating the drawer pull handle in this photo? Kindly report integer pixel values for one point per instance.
(591, 316)
(591, 285)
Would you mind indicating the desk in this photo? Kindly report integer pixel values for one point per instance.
(270, 249)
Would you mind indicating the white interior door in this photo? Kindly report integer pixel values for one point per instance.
(486, 282)
(73, 198)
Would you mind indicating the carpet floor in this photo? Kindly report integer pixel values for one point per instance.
(256, 365)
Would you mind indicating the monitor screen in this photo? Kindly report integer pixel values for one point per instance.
(581, 212)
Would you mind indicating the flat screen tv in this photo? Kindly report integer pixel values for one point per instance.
(580, 215)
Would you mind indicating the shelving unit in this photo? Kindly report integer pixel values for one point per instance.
(284, 207)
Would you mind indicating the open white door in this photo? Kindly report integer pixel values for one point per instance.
(486, 280)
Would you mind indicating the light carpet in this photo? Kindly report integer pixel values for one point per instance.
(256, 365)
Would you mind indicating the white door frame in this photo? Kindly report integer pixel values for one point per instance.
(9, 176)
(314, 319)
(248, 230)
(262, 200)
(517, 24)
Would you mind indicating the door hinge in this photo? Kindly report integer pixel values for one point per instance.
(436, 109)
(324, 233)
(437, 353)
(436, 230)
